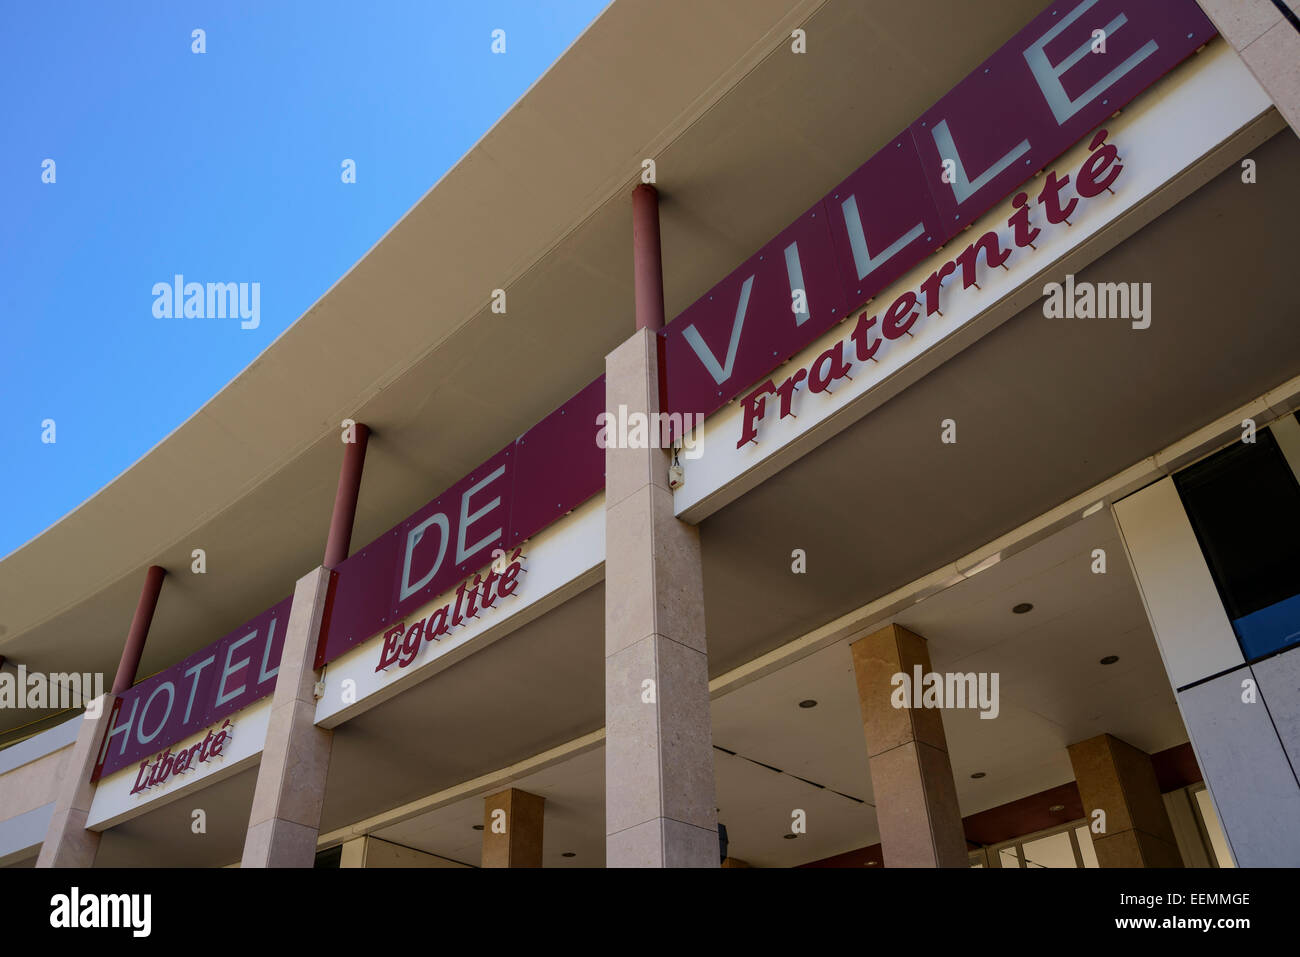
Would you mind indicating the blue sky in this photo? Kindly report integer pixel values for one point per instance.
(223, 166)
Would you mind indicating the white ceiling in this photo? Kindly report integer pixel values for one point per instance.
(1053, 692)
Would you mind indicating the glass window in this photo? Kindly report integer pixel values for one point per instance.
(1066, 845)
(1244, 505)
(1055, 850)
(330, 857)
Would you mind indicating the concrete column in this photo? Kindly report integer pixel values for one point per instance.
(512, 829)
(285, 818)
(1118, 779)
(911, 776)
(1267, 38)
(1243, 719)
(659, 788)
(67, 842)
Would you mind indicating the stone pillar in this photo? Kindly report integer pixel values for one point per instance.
(1117, 778)
(285, 817)
(659, 789)
(1267, 39)
(67, 842)
(512, 829)
(911, 776)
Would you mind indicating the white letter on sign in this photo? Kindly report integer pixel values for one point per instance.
(1049, 76)
(867, 263)
(692, 335)
(799, 295)
(962, 187)
(466, 520)
(412, 539)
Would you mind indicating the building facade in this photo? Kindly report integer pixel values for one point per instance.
(798, 434)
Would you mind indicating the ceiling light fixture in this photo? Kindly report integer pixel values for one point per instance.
(789, 837)
(1056, 807)
(977, 775)
(1110, 659)
(568, 854)
(1022, 608)
(478, 827)
(808, 703)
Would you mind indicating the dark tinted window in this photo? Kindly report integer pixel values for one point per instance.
(330, 857)
(1244, 504)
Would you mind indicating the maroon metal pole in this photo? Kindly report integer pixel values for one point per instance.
(648, 273)
(345, 499)
(134, 646)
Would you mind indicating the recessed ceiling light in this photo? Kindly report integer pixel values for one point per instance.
(568, 854)
(977, 775)
(790, 837)
(478, 827)
(1056, 807)
(872, 864)
(1023, 607)
(1110, 659)
(807, 703)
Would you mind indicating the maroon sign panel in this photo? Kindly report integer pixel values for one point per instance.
(752, 321)
(1049, 87)
(1058, 79)
(226, 676)
(547, 472)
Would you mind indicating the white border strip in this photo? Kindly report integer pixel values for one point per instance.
(114, 803)
(561, 561)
